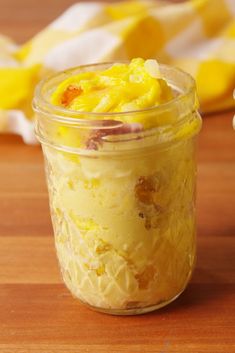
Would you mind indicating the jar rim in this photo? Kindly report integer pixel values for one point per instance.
(69, 116)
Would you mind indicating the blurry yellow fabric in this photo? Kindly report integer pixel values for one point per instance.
(197, 36)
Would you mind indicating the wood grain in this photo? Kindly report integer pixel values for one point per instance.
(37, 313)
(22, 19)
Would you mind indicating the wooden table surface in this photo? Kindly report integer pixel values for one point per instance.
(37, 314)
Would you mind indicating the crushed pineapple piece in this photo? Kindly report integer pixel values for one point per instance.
(152, 67)
(70, 94)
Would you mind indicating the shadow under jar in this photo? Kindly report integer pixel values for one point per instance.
(122, 201)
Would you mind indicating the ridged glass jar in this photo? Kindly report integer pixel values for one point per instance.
(122, 199)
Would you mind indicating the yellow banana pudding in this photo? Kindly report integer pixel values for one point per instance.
(119, 88)
(118, 141)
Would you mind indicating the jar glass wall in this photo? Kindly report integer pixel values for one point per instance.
(122, 200)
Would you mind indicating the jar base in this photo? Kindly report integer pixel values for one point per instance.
(133, 311)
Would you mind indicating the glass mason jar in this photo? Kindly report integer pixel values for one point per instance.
(122, 199)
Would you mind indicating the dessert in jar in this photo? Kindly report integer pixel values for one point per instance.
(119, 147)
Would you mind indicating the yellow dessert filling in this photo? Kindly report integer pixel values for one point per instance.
(120, 88)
